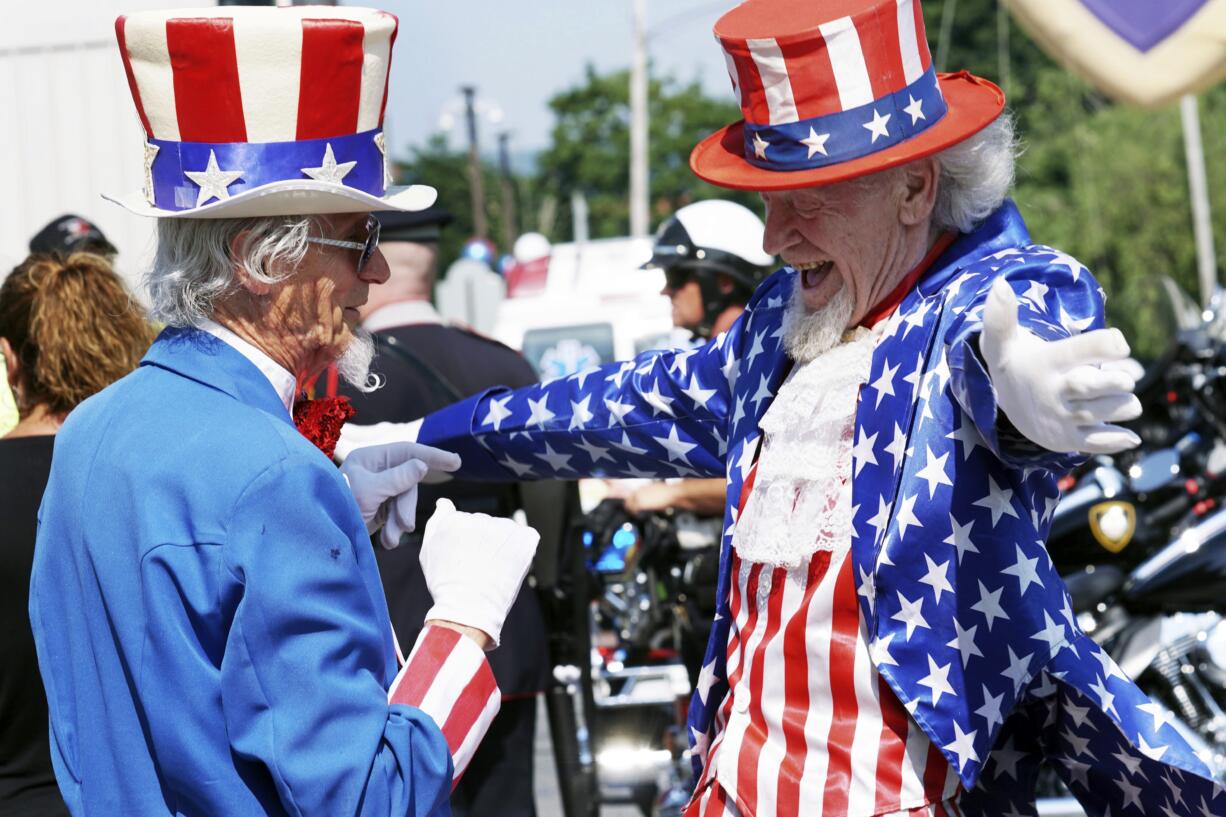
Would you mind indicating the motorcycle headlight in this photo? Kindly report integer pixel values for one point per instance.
(1113, 524)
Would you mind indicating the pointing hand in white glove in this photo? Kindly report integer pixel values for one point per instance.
(1054, 391)
(384, 481)
(474, 565)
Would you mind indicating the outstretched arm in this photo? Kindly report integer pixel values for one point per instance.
(663, 414)
(1024, 355)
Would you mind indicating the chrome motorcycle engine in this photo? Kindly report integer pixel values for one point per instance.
(1188, 676)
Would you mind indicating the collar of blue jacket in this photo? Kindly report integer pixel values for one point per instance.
(199, 356)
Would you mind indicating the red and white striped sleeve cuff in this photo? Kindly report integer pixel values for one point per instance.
(448, 678)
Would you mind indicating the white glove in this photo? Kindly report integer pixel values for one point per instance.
(355, 436)
(384, 481)
(474, 565)
(1053, 391)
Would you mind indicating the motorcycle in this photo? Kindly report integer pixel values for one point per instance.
(1140, 539)
(1141, 542)
(652, 578)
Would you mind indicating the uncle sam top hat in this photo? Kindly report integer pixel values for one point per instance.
(256, 111)
(834, 90)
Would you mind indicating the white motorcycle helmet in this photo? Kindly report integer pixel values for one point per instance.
(709, 239)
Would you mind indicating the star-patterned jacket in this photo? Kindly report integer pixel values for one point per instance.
(969, 621)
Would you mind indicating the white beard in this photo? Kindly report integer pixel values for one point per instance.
(808, 335)
(354, 364)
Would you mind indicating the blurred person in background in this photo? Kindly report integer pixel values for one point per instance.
(428, 364)
(68, 328)
(61, 236)
(712, 258)
(71, 233)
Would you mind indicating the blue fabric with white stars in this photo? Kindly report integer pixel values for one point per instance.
(839, 137)
(970, 623)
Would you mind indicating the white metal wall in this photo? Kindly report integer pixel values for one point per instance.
(68, 128)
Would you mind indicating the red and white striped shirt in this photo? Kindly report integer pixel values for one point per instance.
(808, 727)
(448, 677)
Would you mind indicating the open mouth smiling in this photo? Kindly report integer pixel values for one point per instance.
(813, 273)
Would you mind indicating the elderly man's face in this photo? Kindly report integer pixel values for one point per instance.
(842, 236)
(319, 303)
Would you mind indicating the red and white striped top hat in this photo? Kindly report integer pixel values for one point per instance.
(833, 90)
(252, 111)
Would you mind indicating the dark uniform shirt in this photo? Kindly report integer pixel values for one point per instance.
(27, 782)
(428, 366)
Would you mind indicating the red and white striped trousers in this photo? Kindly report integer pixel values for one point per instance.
(808, 726)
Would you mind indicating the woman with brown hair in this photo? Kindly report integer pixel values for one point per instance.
(68, 328)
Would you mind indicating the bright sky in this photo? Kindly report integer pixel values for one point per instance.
(520, 52)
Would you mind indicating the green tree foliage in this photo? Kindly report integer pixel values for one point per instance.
(1101, 181)
(590, 150)
(446, 169)
(1104, 182)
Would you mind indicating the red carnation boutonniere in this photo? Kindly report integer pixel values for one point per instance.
(320, 421)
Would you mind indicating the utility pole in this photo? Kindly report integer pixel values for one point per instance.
(510, 229)
(1198, 188)
(638, 124)
(474, 163)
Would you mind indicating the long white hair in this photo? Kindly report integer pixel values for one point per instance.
(194, 266)
(976, 175)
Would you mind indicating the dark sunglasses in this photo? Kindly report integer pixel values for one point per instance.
(676, 277)
(367, 247)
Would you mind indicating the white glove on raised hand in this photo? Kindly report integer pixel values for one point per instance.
(474, 565)
(384, 481)
(1053, 391)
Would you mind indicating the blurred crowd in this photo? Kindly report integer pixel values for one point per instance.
(59, 239)
(69, 327)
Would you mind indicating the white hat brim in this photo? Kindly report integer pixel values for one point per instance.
(302, 197)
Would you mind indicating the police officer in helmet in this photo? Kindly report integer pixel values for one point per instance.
(712, 258)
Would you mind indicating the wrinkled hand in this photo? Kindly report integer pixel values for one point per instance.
(1054, 391)
(474, 565)
(384, 480)
(656, 496)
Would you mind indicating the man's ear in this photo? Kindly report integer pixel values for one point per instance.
(12, 371)
(919, 195)
(244, 278)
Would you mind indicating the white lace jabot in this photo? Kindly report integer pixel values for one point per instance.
(801, 499)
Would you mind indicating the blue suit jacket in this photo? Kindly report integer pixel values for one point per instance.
(209, 620)
(937, 492)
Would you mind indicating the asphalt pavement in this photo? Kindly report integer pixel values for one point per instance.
(545, 776)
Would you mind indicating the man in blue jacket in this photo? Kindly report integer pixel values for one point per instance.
(209, 619)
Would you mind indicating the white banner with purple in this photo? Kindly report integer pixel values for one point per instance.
(1146, 52)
